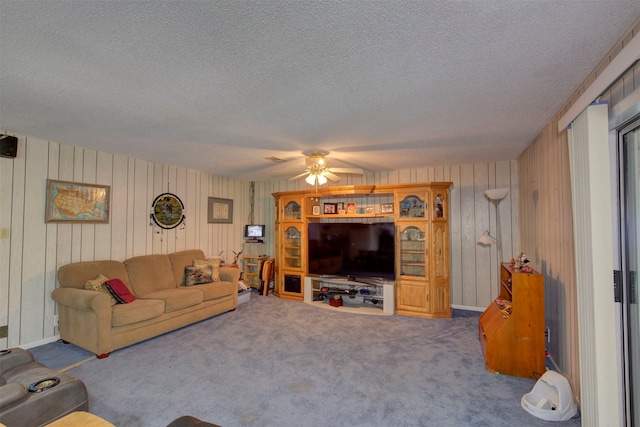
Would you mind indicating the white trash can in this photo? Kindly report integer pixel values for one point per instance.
(551, 398)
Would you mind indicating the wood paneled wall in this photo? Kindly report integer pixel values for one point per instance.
(546, 215)
(35, 250)
(547, 233)
(29, 259)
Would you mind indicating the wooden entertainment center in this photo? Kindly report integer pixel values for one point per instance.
(420, 214)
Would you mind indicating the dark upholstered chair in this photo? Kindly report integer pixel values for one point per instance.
(32, 394)
(189, 421)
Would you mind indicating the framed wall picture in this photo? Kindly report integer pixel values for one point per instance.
(316, 210)
(330, 208)
(220, 211)
(351, 207)
(386, 208)
(73, 202)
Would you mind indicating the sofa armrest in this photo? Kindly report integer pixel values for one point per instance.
(82, 299)
(84, 318)
(12, 394)
(230, 274)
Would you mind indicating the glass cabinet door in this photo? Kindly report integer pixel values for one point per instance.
(412, 251)
(292, 211)
(411, 206)
(440, 208)
(292, 247)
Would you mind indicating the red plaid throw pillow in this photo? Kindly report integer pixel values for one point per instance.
(119, 291)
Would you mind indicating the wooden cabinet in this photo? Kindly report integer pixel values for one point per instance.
(511, 329)
(412, 254)
(439, 275)
(292, 263)
(412, 268)
(412, 297)
(422, 251)
(290, 247)
(421, 216)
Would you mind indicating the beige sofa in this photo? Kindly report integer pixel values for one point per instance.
(90, 320)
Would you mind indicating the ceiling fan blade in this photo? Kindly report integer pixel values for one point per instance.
(299, 176)
(357, 171)
(331, 176)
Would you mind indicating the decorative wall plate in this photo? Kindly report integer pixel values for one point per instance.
(167, 211)
(293, 233)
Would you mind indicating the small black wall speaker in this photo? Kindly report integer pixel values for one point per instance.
(8, 146)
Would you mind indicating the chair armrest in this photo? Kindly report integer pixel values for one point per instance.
(230, 274)
(13, 357)
(11, 394)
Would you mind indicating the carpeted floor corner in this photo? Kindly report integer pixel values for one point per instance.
(275, 362)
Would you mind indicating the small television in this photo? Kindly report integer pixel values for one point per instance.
(352, 250)
(254, 232)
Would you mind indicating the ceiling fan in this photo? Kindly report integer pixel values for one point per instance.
(318, 172)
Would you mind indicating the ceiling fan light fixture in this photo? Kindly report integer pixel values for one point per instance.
(311, 179)
(316, 162)
(322, 179)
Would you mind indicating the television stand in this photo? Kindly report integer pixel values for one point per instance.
(359, 297)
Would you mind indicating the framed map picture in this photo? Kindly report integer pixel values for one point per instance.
(69, 202)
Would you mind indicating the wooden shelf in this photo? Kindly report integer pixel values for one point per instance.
(382, 292)
(506, 287)
(251, 270)
(343, 216)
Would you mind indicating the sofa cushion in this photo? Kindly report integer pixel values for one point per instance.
(137, 311)
(149, 273)
(97, 284)
(197, 274)
(215, 290)
(179, 260)
(213, 263)
(177, 299)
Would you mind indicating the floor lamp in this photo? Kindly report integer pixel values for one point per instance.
(495, 195)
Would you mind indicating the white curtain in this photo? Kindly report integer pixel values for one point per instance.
(593, 227)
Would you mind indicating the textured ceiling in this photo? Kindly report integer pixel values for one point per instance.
(220, 86)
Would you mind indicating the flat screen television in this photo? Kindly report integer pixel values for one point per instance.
(352, 249)
(254, 231)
